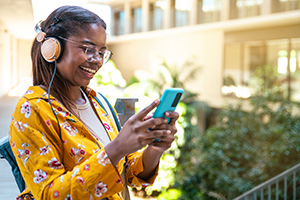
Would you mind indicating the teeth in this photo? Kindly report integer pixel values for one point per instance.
(89, 70)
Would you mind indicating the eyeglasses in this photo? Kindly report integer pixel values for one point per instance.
(92, 52)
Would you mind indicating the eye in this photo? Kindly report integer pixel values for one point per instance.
(89, 50)
(101, 53)
(83, 48)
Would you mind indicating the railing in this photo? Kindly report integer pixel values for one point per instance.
(259, 191)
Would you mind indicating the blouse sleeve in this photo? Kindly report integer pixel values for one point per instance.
(134, 166)
(38, 149)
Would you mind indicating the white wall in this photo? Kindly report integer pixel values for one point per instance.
(5, 62)
(15, 61)
(24, 64)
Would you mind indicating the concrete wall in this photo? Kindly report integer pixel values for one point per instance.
(205, 46)
(140, 51)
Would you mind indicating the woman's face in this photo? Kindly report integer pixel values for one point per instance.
(73, 65)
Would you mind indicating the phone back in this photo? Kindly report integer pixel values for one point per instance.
(168, 102)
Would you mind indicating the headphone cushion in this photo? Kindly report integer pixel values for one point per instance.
(51, 49)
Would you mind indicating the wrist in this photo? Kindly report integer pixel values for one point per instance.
(152, 150)
(114, 153)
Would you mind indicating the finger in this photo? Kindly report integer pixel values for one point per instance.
(152, 123)
(173, 115)
(163, 142)
(147, 117)
(159, 134)
(170, 127)
(143, 113)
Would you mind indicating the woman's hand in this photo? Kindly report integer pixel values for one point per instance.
(136, 134)
(153, 152)
(163, 144)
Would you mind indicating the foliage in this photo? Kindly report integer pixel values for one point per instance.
(109, 81)
(110, 75)
(251, 144)
(171, 194)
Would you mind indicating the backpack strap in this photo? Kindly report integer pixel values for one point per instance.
(111, 113)
(108, 109)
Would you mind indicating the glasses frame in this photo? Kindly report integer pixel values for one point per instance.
(98, 55)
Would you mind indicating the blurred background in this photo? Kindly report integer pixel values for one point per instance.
(238, 61)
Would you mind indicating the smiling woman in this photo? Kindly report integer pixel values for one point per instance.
(66, 144)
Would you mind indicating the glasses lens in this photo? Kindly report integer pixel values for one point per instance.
(90, 53)
(106, 56)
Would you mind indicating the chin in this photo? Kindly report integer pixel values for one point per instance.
(84, 83)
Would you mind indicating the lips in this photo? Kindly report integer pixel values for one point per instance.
(88, 72)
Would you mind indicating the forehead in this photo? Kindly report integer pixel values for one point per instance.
(95, 34)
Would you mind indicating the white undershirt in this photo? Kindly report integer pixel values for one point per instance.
(89, 117)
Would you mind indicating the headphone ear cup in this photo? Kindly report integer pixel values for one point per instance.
(51, 48)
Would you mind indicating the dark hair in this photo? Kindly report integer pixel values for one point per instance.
(65, 21)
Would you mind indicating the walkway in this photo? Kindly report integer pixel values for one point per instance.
(8, 188)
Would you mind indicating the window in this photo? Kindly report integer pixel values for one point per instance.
(137, 20)
(295, 69)
(285, 5)
(119, 23)
(210, 11)
(156, 15)
(233, 83)
(245, 8)
(262, 67)
(182, 12)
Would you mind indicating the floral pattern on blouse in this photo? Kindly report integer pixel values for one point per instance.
(100, 188)
(26, 109)
(39, 176)
(70, 164)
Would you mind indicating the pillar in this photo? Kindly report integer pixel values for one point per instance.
(145, 15)
(128, 21)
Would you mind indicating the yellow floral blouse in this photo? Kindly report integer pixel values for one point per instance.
(70, 165)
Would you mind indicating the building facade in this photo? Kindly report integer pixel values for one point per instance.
(232, 41)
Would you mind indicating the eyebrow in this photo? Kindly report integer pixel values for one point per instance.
(89, 42)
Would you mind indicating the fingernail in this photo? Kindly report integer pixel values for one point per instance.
(168, 132)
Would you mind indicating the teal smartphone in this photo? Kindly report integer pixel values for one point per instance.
(168, 102)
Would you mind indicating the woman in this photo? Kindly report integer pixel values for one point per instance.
(64, 143)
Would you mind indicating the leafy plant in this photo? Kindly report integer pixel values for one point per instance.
(109, 81)
(251, 144)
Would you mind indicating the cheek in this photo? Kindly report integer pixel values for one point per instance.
(69, 64)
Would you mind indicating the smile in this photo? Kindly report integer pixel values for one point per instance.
(93, 71)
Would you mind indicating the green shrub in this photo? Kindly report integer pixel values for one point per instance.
(251, 144)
